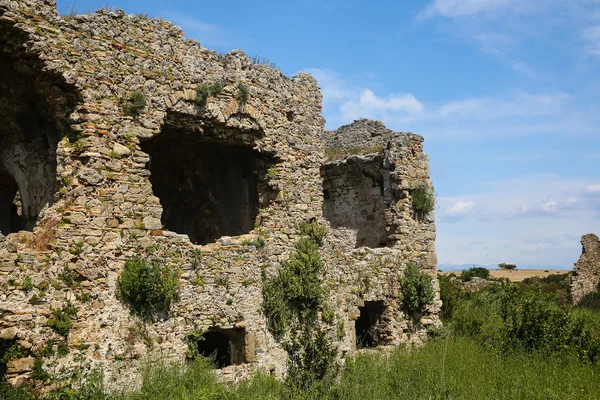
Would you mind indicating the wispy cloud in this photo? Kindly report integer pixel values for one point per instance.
(592, 36)
(460, 209)
(209, 35)
(462, 8)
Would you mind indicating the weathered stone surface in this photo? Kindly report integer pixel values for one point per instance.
(20, 365)
(107, 183)
(8, 333)
(586, 275)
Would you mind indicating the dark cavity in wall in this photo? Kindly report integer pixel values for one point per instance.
(207, 187)
(224, 346)
(5, 345)
(354, 192)
(367, 324)
(34, 108)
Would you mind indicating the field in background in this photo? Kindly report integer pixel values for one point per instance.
(517, 275)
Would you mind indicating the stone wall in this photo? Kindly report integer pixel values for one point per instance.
(100, 186)
(586, 275)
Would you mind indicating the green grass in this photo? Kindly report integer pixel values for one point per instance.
(446, 368)
(466, 370)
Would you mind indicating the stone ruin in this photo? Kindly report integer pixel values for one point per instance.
(85, 186)
(586, 275)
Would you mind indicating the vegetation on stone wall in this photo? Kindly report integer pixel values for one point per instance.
(291, 303)
(243, 93)
(204, 92)
(417, 289)
(148, 287)
(135, 104)
(60, 321)
(423, 201)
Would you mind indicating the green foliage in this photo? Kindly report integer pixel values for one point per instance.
(297, 292)
(192, 339)
(451, 294)
(135, 104)
(311, 360)
(507, 266)
(423, 201)
(314, 230)
(590, 301)
(479, 272)
(417, 289)
(60, 321)
(204, 91)
(27, 284)
(532, 321)
(8, 392)
(148, 288)
(327, 315)
(37, 372)
(291, 302)
(11, 353)
(243, 93)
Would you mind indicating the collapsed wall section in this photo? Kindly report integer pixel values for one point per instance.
(586, 274)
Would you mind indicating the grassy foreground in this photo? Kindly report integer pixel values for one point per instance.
(446, 368)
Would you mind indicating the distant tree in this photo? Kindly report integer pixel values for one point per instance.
(507, 266)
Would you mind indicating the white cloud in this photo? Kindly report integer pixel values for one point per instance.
(594, 188)
(370, 105)
(460, 208)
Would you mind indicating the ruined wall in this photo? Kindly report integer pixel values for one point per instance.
(586, 275)
(375, 231)
(100, 186)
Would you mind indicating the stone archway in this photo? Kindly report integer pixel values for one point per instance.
(34, 108)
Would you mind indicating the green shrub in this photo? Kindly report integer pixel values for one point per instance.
(135, 104)
(423, 201)
(291, 302)
(314, 230)
(243, 93)
(590, 301)
(478, 272)
(148, 288)
(27, 284)
(297, 291)
(204, 91)
(60, 321)
(533, 322)
(417, 289)
(451, 293)
(8, 392)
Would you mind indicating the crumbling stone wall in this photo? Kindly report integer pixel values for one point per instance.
(586, 275)
(101, 186)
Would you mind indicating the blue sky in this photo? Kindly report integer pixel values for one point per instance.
(505, 92)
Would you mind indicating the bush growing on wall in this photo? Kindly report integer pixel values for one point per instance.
(423, 201)
(291, 302)
(148, 288)
(417, 289)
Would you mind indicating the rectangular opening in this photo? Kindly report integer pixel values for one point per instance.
(368, 325)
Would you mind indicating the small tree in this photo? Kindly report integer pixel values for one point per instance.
(507, 266)
(417, 289)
